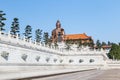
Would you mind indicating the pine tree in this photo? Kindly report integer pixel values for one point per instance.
(109, 43)
(15, 27)
(46, 37)
(2, 24)
(91, 44)
(38, 35)
(98, 44)
(68, 44)
(103, 44)
(28, 32)
(114, 52)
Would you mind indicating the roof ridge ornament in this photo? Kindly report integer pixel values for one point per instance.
(58, 24)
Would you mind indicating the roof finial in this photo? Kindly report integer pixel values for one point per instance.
(58, 24)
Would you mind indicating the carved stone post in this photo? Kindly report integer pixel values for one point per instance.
(9, 35)
(30, 40)
(24, 39)
(0, 32)
(17, 36)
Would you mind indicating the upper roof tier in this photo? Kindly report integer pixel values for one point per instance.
(76, 36)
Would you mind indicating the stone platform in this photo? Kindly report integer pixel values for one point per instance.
(86, 75)
(29, 73)
(108, 75)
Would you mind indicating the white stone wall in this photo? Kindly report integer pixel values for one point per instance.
(97, 59)
(16, 48)
(15, 54)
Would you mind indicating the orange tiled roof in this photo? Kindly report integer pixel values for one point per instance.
(76, 36)
(106, 46)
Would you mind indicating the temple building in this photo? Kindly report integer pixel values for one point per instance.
(58, 35)
(79, 38)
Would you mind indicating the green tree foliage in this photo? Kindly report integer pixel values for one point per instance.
(79, 43)
(56, 45)
(103, 44)
(38, 35)
(28, 32)
(91, 44)
(15, 27)
(68, 44)
(2, 24)
(85, 44)
(98, 44)
(114, 52)
(109, 43)
(46, 37)
(119, 43)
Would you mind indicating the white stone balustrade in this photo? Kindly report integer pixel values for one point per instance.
(16, 47)
(8, 38)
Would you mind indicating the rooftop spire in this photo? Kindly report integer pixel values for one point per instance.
(58, 24)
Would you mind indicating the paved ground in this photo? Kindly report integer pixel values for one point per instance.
(108, 75)
(86, 75)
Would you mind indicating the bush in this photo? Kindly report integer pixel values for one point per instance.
(114, 52)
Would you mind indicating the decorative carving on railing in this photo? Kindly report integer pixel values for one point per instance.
(70, 61)
(55, 60)
(21, 42)
(81, 60)
(47, 59)
(61, 61)
(24, 56)
(37, 58)
(5, 55)
(91, 60)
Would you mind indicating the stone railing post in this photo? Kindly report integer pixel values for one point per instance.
(35, 42)
(40, 43)
(51, 46)
(17, 36)
(44, 44)
(9, 35)
(30, 40)
(24, 39)
(0, 32)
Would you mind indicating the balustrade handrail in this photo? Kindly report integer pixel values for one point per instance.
(38, 46)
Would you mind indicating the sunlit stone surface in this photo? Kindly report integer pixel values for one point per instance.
(17, 55)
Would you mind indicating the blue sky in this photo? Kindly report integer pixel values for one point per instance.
(97, 18)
